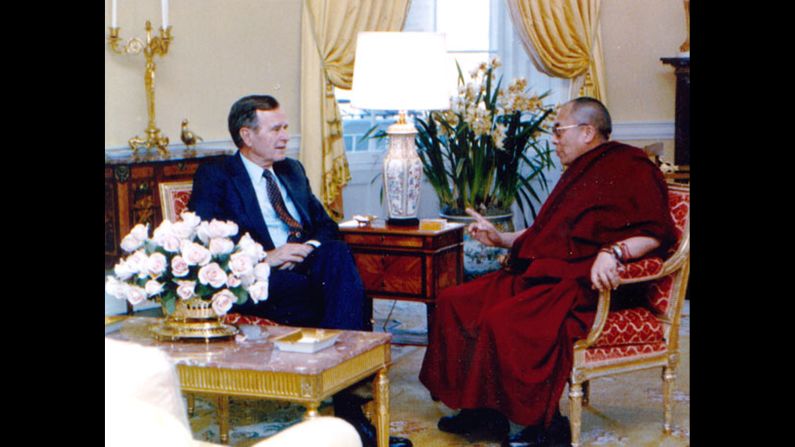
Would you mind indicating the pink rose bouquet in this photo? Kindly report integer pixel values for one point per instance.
(187, 259)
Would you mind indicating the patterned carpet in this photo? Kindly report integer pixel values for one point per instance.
(624, 410)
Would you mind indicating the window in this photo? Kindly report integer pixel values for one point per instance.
(476, 31)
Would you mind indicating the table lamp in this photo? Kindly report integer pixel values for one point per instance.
(401, 71)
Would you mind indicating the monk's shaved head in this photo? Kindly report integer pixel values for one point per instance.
(590, 111)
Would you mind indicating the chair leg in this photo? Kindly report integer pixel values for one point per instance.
(668, 376)
(586, 392)
(191, 403)
(575, 412)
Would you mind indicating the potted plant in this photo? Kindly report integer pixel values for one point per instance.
(486, 153)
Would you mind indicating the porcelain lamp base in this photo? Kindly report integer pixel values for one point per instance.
(402, 175)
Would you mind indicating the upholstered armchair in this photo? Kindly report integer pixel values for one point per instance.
(638, 338)
(174, 197)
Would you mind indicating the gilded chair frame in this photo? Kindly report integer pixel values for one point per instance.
(678, 265)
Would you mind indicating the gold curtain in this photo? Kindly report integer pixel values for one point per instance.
(563, 39)
(328, 47)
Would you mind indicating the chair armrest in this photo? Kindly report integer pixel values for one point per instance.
(646, 269)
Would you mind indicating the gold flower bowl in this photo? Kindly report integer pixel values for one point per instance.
(193, 320)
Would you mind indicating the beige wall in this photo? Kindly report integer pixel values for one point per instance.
(222, 50)
(636, 34)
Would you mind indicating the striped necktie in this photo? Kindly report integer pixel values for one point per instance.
(277, 202)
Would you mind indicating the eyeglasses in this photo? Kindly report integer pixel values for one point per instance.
(557, 129)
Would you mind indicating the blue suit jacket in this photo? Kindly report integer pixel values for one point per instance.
(223, 190)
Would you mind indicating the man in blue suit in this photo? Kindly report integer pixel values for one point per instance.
(313, 280)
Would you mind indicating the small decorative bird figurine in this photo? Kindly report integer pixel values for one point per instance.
(188, 137)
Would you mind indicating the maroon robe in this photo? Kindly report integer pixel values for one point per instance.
(504, 341)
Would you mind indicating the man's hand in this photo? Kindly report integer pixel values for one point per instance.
(288, 255)
(604, 272)
(484, 231)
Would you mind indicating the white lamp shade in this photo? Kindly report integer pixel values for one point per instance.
(401, 71)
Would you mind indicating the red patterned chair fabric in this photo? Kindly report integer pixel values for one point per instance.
(174, 197)
(181, 199)
(639, 325)
(644, 267)
(635, 326)
(237, 319)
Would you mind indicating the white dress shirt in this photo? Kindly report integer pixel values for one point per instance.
(276, 227)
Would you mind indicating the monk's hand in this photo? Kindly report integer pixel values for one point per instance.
(484, 231)
(288, 255)
(604, 272)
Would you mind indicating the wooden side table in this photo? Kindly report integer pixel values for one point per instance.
(406, 263)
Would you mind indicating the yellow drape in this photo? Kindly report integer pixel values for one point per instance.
(563, 39)
(328, 47)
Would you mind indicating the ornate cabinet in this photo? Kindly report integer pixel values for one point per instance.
(131, 190)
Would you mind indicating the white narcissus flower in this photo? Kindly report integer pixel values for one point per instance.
(241, 264)
(213, 275)
(186, 289)
(258, 291)
(221, 246)
(262, 271)
(135, 294)
(223, 301)
(156, 264)
(153, 287)
(195, 254)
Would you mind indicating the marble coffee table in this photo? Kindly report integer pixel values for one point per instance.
(254, 367)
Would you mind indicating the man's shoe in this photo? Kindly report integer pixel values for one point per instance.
(366, 431)
(469, 421)
(348, 407)
(557, 435)
(530, 436)
(559, 432)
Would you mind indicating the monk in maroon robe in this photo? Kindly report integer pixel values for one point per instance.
(501, 345)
